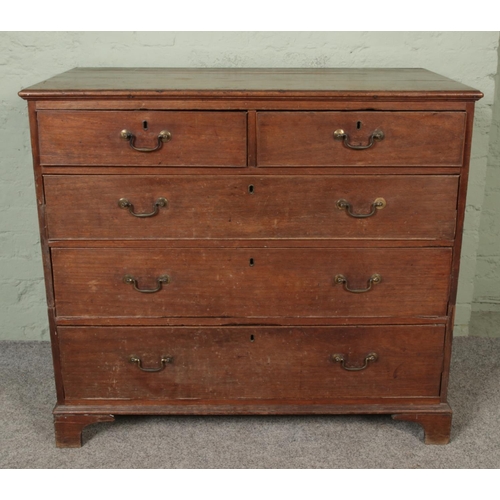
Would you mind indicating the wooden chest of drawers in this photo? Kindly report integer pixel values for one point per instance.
(251, 241)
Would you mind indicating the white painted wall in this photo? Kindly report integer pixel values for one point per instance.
(487, 281)
(28, 57)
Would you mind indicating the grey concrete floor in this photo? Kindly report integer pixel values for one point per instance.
(485, 324)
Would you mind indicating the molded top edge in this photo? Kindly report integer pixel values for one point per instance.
(378, 83)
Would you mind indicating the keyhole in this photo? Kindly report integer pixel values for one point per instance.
(145, 125)
(358, 125)
(252, 338)
(251, 262)
(251, 189)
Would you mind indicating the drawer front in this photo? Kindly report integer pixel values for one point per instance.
(251, 363)
(410, 139)
(204, 207)
(94, 138)
(251, 282)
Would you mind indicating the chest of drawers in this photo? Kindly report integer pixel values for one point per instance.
(250, 241)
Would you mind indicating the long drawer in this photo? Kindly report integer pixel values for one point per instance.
(251, 363)
(94, 138)
(248, 282)
(391, 138)
(223, 206)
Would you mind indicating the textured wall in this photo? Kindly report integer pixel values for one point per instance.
(28, 57)
(487, 282)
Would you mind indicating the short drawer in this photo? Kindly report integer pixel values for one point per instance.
(223, 206)
(251, 282)
(409, 139)
(94, 138)
(242, 363)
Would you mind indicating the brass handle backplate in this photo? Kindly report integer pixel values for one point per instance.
(341, 135)
(378, 204)
(163, 136)
(164, 361)
(160, 280)
(159, 203)
(374, 279)
(340, 358)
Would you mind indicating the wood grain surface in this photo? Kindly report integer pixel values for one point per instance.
(251, 363)
(411, 138)
(208, 207)
(346, 83)
(211, 282)
(93, 138)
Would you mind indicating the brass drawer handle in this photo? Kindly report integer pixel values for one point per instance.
(163, 136)
(159, 203)
(339, 358)
(374, 279)
(340, 135)
(378, 204)
(160, 280)
(164, 361)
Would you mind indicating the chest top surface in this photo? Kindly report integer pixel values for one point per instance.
(337, 83)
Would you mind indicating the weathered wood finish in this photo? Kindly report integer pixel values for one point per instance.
(68, 428)
(251, 339)
(437, 427)
(316, 171)
(93, 138)
(252, 321)
(215, 282)
(212, 207)
(230, 103)
(375, 406)
(351, 84)
(251, 363)
(306, 138)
